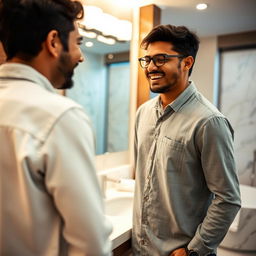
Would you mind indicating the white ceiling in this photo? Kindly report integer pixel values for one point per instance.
(222, 16)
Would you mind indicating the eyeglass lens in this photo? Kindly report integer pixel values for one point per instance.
(158, 60)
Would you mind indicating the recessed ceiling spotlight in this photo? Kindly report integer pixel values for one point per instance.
(88, 44)
(110, 56)
(201, 6)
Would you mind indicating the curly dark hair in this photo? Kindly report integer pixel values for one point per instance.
(25, 24)
(183, 40)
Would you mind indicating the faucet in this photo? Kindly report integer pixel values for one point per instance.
(102, 183)
(103, 179)
(252, 176)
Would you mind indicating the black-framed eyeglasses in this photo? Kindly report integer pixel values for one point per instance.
(158, 59)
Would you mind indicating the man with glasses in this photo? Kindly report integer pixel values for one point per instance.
(187, 191)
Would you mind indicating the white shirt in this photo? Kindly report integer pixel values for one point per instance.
(50, 198)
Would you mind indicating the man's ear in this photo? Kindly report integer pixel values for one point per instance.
(53, 44)
(188, 62)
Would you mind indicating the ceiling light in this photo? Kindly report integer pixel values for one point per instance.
(106, 40)
(106, 25)
(88, 34)
(88, 44)
(201, 6)
(110, 56)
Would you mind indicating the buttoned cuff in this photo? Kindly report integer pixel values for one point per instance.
(199, 246)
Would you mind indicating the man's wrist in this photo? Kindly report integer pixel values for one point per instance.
(192, 253)
(195, 253)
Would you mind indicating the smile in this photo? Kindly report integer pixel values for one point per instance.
(155, 76)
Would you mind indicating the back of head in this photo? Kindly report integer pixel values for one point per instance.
(24, 24)
(183, 40)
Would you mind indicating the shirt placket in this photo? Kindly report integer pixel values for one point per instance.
(144, 243)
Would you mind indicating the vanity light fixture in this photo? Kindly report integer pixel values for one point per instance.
(106, 40)
(202, 6)
(87, 34)
(104, 27)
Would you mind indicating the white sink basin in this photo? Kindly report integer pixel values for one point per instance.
(119, 206)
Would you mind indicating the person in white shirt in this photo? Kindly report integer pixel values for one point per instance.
(50, 201)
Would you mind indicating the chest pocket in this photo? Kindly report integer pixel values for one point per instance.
(170, 154)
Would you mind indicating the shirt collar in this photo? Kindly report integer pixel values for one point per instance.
(183, 97)
(179, 101)
(21, 71)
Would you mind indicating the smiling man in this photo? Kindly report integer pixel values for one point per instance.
(187, 192)
(51, 203)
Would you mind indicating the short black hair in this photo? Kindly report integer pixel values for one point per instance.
(25, 24)
(183, 40)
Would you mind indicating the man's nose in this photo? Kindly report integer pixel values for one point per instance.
(151, 65)
(82, 58)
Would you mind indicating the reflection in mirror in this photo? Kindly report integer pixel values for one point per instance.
(101, 86)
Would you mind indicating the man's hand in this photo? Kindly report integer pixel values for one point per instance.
(179, 252)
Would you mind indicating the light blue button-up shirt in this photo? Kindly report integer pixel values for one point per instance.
(187, 191)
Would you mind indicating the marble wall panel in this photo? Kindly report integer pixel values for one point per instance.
(238, 103)
(118, 107)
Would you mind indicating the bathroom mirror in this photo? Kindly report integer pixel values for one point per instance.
(102, 83)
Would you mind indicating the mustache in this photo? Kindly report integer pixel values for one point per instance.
(155, 72)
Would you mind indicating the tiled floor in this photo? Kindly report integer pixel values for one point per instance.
(226, 252)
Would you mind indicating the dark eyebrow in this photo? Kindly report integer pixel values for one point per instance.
(148, 56)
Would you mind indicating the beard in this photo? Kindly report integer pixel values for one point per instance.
(166, 87)
(163, 88)
(65, 69)
(173, 81)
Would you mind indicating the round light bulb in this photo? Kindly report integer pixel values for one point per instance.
(88, 44)
(201, 6)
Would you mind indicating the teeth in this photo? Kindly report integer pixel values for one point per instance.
(155, 76)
